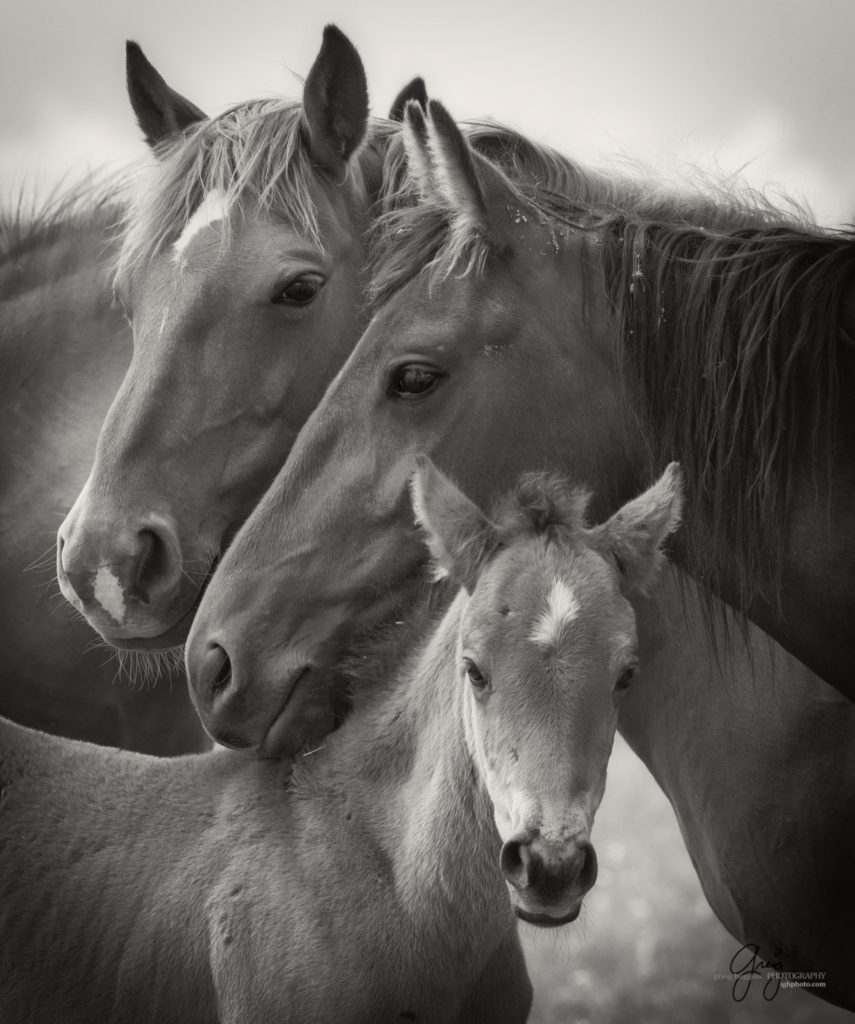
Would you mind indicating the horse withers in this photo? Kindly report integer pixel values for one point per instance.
(380, 877)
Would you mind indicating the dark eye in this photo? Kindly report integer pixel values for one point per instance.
(623, 682)
(299, 292)
(480, 683)
(413, 380)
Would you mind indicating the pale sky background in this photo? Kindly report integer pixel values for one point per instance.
(767, 86)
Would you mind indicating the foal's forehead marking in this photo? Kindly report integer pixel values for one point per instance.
(214, 207)
(108, 593)
(562, 607)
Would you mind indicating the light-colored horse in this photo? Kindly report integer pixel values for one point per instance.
(380, 883)
(495, 351)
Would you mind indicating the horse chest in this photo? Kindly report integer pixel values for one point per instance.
(312, 937)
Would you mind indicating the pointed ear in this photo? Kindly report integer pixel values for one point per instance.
(161, 112)
(460, 537)
(415, 136)
(335, 101)
(415, 91)
(452, 164)
(634, 535)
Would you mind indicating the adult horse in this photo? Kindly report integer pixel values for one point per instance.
(241, 269)
(368, 886)
(495, 349)
(64, 348)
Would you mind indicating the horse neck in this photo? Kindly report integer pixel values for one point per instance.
(436, 826)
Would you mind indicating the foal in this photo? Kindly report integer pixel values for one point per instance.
(380, 881)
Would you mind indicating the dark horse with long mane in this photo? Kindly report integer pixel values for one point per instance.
(500, 343)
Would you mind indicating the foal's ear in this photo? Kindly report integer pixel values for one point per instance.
(161, 112)
(415, 91)
(335, 101)
(634, 535)
(460, 537)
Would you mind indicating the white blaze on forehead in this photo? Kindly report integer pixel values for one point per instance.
(214, 207)
(561, 609)
(108, 593)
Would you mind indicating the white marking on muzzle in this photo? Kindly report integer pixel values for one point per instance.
(108, 593)
(214, 207)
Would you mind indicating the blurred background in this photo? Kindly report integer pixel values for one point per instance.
(758, 87)
(761, 89)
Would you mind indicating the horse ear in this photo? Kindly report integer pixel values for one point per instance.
(161, 112)
(634, 535)
(335, 101)
(415, 91)
(415, 136)
(453, 165)
(458, 534)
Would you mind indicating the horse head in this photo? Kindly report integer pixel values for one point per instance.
(241, 272)
(546, 649)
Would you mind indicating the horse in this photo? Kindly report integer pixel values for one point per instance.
(64, 348)
(241, 271)
(387, 873)
(495, 348)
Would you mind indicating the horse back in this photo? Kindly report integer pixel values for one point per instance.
(102, 865)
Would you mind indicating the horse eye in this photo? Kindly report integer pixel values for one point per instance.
(413, 380)
(299, 292)
(478, 680)
(624, 680)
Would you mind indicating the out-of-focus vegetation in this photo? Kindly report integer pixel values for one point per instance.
(647, 945)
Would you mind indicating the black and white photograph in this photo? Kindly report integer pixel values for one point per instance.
(427, 512)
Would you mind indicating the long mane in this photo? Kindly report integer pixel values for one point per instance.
(732, 340)
(413, 234)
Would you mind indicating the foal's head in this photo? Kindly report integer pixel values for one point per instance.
(546, 649)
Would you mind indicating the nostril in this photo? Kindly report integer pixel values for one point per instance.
(221, 669)
(152, 562)
(514, 864)
(511, 861)
(588, 873)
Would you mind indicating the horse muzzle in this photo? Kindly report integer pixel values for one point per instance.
(547, 881)
(128, 581)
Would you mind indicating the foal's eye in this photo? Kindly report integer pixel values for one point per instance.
(479, 681)
(299, 292)
(413, 380)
